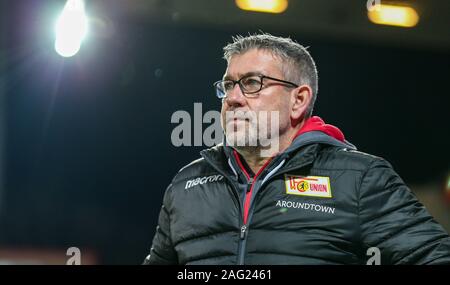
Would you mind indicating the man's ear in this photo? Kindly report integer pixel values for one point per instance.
(301, 98)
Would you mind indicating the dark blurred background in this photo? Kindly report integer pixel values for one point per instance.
(85, 141)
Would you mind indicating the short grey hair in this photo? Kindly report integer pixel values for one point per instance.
(299, 66)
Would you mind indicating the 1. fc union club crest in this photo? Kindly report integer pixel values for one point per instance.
(315, 186)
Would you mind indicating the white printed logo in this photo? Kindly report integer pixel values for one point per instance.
(305, 206)
(203, 180)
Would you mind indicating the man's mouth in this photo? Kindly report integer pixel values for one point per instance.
(240, 118)
(236, 121)
(236, 124)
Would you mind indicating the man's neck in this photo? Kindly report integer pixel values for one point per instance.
(253, 158)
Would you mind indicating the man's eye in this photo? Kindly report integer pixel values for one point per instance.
(228, 85)
(251, 82)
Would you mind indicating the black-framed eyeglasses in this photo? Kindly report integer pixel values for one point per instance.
(249, 85)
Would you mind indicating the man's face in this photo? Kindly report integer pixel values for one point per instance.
(272, 97)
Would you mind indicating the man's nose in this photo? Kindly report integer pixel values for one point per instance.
(235, 97)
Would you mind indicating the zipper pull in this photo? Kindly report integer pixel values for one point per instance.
(243, 231)
(249, 184)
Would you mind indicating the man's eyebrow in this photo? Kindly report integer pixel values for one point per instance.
(251, 73)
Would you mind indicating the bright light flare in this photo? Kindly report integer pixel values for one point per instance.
(447, 189)
(448, 184)
(401, 16)
(71, 28)
(266, 6)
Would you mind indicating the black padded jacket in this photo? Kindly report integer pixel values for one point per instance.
(318, 202)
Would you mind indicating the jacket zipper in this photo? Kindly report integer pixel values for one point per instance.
(243, 231)
(247, 213)
(247, 205)
(244, 227)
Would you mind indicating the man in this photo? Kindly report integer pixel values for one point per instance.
(312, 199)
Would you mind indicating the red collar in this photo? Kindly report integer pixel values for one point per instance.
(315, 123)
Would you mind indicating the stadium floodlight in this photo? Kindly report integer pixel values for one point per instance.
(265, 6)
(394, 15)
(71, 28)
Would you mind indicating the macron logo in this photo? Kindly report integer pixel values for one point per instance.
(203, 180)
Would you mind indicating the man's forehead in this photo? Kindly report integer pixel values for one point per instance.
(252, 62)
(242, 74)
